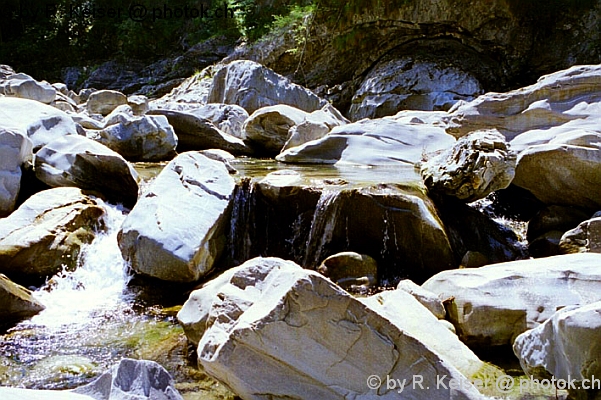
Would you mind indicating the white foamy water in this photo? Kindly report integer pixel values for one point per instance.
(97, 285)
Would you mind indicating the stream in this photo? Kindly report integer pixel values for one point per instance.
(99, 313)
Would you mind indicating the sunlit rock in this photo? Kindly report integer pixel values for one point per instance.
(176, 230)
(25, 87)
(104, 101)
(15, 149)
(477, 165)
(270, 328)
(46, 233)
(40, 122)
(81, 162)
(371, 142)
(492, 305)
(253, 86)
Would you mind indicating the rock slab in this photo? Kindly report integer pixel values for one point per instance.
(175, 231)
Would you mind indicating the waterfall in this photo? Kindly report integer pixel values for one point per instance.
(96, 287)
(322, 227)
(242, 223)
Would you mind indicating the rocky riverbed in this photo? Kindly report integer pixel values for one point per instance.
(252, 239)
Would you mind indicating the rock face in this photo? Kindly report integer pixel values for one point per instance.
(16, 302)
(565, 346)
(407, 84)
(310, 339)
(348, 268)
(585, 238)
(175, 231)
(81, 162)
(40, 122)
(492, 305)
(196, 133)
(371, 142)
(131, 380)
(15, 149)
(104, 101)
(253, 86)
(267, 128)
(47, 232)
(477, 165)
(25, 87)
(147, 138)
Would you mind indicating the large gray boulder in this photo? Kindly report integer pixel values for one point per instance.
(176, 230)
(371, 142)
(147, 138)
(408, 84)
(492, 305)
(81, 162)
(270, 328)
(40, 122)
(132, 380)
(15, 149)
(477, 165)
(16, 302)
(229, 118)
(565, 346)
(46, 233)
(104, 101)
(563, 171)
(253, 86)
(197, 133)
(25, 87)
(267, 128)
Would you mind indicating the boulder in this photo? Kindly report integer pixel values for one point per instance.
(138, 103)
(564, 170)
(16, 302)
(585, 238)
(15, 149)
(565, 346)
(45, 234)
(492, 305)
(81, 162)
(553, 105)
(272, 329)
(25, 87)
(147, 138)
(408, 84)
(409, 316)
(132, 380)
(477, 165)
(267, 128)
(424, 297)
(40, 122)
(197, 133)
(253, 86)
(104, 101)
(315, 126)
(176, 230)
(348, 269)
(371, 142)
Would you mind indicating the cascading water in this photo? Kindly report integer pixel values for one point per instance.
(322, 227)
